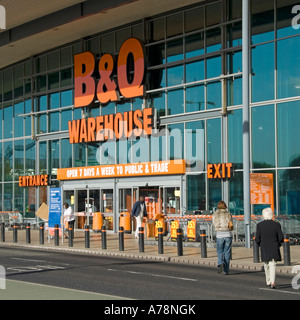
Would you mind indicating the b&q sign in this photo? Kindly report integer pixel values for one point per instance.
(99, 80)
(107, 89)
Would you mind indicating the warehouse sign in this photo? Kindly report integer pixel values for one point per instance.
(123, 170)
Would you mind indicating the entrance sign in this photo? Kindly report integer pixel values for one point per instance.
(123, 170)
(86, 88)
(34, 181)
(55, 207)
(261, 189)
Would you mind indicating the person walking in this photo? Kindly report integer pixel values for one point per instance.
(139, 211)
(269, 238)
(222, 222)
(69, 218)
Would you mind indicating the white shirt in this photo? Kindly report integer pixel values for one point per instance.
(68, 214)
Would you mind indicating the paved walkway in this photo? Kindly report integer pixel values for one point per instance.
(242, 258)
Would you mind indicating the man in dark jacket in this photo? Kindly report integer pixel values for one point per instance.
(269, 237)
(139, 211)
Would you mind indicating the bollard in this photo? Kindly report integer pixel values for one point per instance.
(15, 233)
(103, 237)
(70, 234)
(160, 240)
(141, 239)
(42, 233)
(2, 232)
(179, 242)
(255, 250)
(203, 244)
(121, 238)
(87, 236)
(28, 240)
(286, 251)
(56, 234)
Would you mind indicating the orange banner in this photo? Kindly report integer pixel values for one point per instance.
(123, 170)
(191, 230)
(261, 185)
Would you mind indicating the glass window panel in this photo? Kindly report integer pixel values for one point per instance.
(7, 85)
(107, 153)
(92, 150)
(157, 54)
(158, 145)
(195, 145)
(263, 72)
(195, 100)
(175, 102)
(54, 156)
(175, 75)
(213, 67)
(140, 151)
(18, 80)
(66, 77)
(263, 137)
(108, 108)
(137, 104)
(65, 117)
(213, 14)
(19, 159)
(43, 157)
(174, 50)
(41, 64)
(288, 115)
(27, 86)
(66, 57)
(1, 120)
(289, 193)
(54, 101)
(53, 80)
(234, 34)
(288, 68)
(137, 31)
(213, 40)
(194, 71)
(66, 98)
(262, 20)
(214, 193)
(107, 43)
(19, 198)
(8, 160)
(123, 150)
(121, 36)
(8, 191)
(174, 24)
(93, 45)
(194, 45)
(157, 78)
(235, 138)
(236, 194)
(287, 22)
(79, 155)
(194, 19)
(1, 90)
(214, 95)
(175, 145)
(41, 83)
(235, 11)
(156, 29)
(158, 101)
(1, 206)
(28, 118)
(30, 157)
(54, 121)
(214, 138)
(19, 121)
(41, 105)
(8, 121)
(196, 197)
(234, 91)
(53, 60)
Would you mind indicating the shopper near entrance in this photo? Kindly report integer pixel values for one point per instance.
(269, 237)
(139, 211)
(69, 217)
(222, 222)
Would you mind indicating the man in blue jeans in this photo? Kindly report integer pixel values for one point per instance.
(221, 219)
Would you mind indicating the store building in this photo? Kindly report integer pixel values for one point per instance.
(185, 152)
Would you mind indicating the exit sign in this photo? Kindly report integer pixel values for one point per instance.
(220, 171)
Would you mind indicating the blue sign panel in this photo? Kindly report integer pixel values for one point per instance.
(55, 207)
